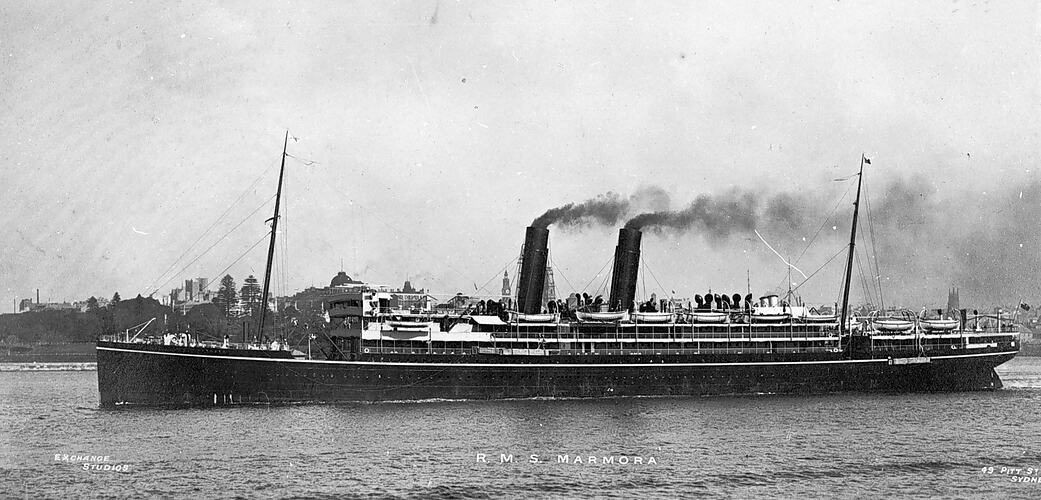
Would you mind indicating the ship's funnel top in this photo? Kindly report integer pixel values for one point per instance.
(533, 270)
(626, 267)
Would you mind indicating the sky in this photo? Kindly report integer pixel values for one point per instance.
(426, 135)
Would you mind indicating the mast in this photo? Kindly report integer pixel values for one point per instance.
(271, 246)
(852, 244)
(788, 298)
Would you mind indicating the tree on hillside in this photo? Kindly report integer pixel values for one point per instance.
(92, 304)
(226, 299)
(250, 296)
(136, 311)
(207, 321)
(115, 300)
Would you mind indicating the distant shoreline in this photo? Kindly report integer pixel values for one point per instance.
(48, 367)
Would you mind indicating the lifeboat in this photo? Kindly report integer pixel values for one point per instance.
(652, 317)
(601, 316)
(708, 317)
(770, 310)
(938, 324)
(769, 317)
(820, 318)
(892, 324)
(533, 318)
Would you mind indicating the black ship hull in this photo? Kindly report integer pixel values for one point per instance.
(160, 375)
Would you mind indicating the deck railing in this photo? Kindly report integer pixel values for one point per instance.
(598, 352)
(209, 344)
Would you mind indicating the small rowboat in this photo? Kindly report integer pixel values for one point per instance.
(820, 318)
(892, 324)
(652, 317)
(533, 318)
(708, 317)
(939, 324)
(601, 316)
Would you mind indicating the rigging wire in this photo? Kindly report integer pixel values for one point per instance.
(284, 268)
(863, 280)
(643, 277)
(243, 221)
(590, 282)
(874, 250)
(866, 277)
(849, 186)
(604, 287)
(655, 278)
(208, 229)
(787, 263)
(842, 281)
(557, 270)
(846, 246)
(825, 223)
(212, 280)
(277, 322)
(503, 268)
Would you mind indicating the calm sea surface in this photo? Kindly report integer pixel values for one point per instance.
(850, 445)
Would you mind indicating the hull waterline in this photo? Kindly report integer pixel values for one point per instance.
(157, 377)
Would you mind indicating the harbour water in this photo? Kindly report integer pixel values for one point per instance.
(55, 442)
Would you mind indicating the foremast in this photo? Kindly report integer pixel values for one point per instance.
(271, 246)
(852, 244)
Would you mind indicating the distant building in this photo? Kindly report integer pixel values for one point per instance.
(549, 288)
(27, 305)
(953, 301)
(409, 298)
(312, 300)
(506, 290)
(202, 291)
(342, 280)
(195, 291)
(460, 301)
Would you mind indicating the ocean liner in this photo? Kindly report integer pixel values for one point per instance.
(376, 351)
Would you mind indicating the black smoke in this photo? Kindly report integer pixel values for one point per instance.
(925, 237)
(734, 212)
(608, 209)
